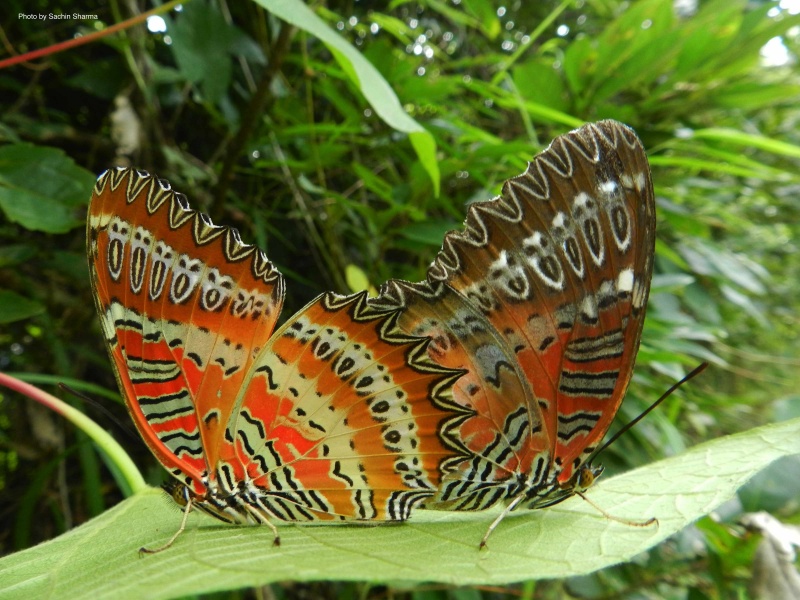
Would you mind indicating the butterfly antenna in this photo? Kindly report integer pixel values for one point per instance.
(96, 406)
(697, 370)
(76, 393)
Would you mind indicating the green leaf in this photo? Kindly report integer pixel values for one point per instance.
(428, 233)
(14, 307)
(755, 95)
(580, 57)
(636, 48)
(202, 42)
(738, 138)
(102, 78)
(425, 146)
(540, 80)
(707, 34)
(486, 16)
(742, 55)
(357, 280)
(374, 183)
(41, 188)
(100, 559)
(15, 254)
(365, 76)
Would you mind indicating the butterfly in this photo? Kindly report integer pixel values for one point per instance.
(336, 415)
(541, 301)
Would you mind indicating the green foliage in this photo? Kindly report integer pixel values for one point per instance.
(346, 146)
(14, 307)
(41, 187)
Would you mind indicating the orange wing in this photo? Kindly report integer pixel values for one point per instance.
(337, 415)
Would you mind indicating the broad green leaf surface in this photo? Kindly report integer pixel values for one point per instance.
(14, 307)
(363, 74)
(42, 189)
(100, 560)
(202, 43)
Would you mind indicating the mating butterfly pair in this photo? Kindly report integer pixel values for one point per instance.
(492, 381)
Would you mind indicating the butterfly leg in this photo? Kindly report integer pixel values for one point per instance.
(509, 507)
(260, 517)
(186, 509)
(646, 523)
(276, 541)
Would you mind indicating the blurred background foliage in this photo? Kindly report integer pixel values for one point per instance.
(265, 127)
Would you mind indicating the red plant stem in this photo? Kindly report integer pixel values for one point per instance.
(61, 46)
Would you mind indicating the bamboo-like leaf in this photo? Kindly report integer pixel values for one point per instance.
(363, 74)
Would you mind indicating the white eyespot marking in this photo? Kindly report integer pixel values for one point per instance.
(508, 276)
(608, 188)
(606, 292)
(160, 263)
(639, 294)
(639, 181)
(119, 233)
(585, 212)
(544, 263)
(620, 226)
(589, 308)
(627, 181)
(501, 262)
(141, 240)
(185, 277)
(581, 200)
(216, 290)
(563, 233)
(625, 281)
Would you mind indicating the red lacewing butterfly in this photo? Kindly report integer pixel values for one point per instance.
(337, 415)
(493, 381)
(541, 300)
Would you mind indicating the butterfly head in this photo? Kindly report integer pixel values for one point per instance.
(178, 492)
(211, 503)
(583, 478)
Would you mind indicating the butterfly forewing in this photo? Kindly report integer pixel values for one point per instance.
(614, 215)
(183, 306)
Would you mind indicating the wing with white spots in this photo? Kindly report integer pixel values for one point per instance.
(541, 300)
(185, 308)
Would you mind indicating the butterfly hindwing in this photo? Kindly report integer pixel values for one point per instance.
(343, 403)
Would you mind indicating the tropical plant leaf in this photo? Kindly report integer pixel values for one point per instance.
(40, 188)
(363, 74)
(14, 307)
(100, 559)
